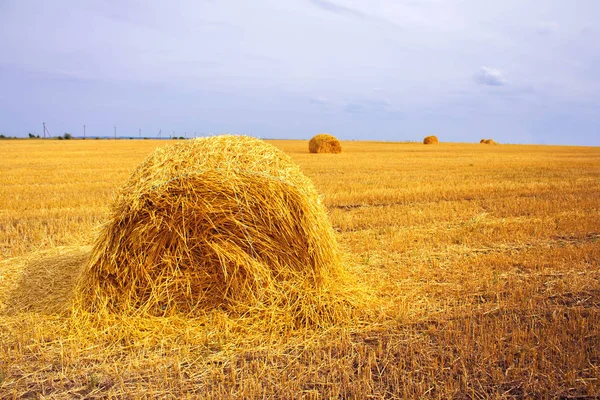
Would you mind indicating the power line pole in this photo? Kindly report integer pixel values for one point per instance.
(159, 133)
(115, 132)
(84, 132)
(46, 131)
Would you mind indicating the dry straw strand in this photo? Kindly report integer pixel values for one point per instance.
(324, 143)
(226, 222)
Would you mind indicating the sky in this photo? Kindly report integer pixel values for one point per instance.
(391, 70)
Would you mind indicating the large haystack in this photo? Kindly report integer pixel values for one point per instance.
(431, 140)
(227, 222)
(324, 143)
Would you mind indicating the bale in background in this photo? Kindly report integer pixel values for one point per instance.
(224, 222)
(431, 140)
(324, 143)
(487, 141)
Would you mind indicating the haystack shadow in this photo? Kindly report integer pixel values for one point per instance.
(48, 283)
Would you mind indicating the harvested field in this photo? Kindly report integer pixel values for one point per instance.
(479, 272)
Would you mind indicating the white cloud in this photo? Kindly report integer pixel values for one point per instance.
(491, 77)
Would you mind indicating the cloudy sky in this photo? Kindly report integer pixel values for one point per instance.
(517, 71)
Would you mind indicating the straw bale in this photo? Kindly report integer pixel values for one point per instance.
(224, 222)
(324, 143)
(431, 140)
(487, 141)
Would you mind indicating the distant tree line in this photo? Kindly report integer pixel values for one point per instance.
(66, 136)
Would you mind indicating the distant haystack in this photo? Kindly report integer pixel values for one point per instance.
(487, 141)
(324, 143)
(431, 140)
(223, 222)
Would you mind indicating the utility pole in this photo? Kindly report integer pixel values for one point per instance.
(46, 131)
(115, 132)
(84, 132)
(159, 133)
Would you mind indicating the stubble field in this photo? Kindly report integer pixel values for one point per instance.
(482, 263)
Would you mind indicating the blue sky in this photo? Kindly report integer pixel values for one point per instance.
(398, 70)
